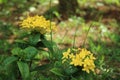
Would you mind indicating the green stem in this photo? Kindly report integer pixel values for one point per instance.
(30, 64)
(51, 35)
(75, 36)
(89, 29)
(50, 4)
(63, 36)
(87, 35)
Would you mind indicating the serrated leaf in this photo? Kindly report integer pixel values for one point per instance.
(24, 70)
(9, 60)
(30, 52)
(57, 71)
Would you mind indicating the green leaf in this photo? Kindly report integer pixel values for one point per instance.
(30, 52)
(74, 78)
(42, 67)
(16, 51)
(57, 71)
(58, 64)
(34, 39)
(70, 70)
(24, 70)
(9, 60)
(20, 41)
(48, 44)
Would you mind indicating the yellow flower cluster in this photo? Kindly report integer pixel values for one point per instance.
(39, 24)
(81, 57)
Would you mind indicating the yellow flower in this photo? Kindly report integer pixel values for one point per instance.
(83, 53)
(82, 57)
(88, 64)
(66, 54)
(76, 62)
(71, 56)
(39, 24)
(86, 69)
(63, 60)
(92, 57)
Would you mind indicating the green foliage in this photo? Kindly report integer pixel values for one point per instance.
(57, 72)
(30, 52)
(24, 70)
(34, 39)
(109, 2)
(116, 2)
(9, 60)
(3, 1)
(16, 51)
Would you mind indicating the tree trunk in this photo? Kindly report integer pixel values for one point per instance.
(67, 8)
